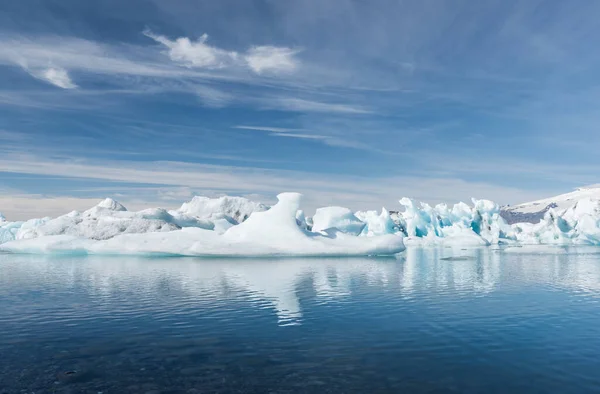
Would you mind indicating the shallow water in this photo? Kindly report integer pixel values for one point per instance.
(434, 320)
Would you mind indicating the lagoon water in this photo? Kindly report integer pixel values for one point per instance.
(430, 321)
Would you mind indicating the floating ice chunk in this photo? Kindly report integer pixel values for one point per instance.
(337, 217)
(269, 233)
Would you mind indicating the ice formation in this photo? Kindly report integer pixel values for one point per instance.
(234, 226)
(462, 224)
(273, 232)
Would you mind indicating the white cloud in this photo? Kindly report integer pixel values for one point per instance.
(195, 54)
(199, 54)
(271, 59)
(57, 76)
(53, 58)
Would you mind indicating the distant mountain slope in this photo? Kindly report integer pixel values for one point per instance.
(534, 211)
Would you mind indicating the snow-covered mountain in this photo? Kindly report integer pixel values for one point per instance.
(533, 212)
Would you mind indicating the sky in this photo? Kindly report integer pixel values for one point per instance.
(352, 103)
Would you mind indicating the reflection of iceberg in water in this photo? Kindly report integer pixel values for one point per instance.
(280, 284)
(279, 280)
(450, 269)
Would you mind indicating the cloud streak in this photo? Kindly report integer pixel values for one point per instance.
(266, 128)
(302, 105)
(284, 132)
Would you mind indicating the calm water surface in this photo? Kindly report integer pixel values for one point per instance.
(431, 321)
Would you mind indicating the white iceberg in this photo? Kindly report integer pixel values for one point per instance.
(274, 232)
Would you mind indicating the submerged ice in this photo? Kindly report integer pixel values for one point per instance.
(235, 226)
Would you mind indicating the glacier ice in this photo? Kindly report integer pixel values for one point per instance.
(235, 226)
(273, 232)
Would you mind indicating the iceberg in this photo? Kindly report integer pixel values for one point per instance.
(422, 224)
(235, 226)
(273, 232)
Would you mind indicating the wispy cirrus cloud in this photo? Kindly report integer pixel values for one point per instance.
(266, 128)
(53, 74)
(262, 77)
(302, 136)
(284, 132)
(303, 105)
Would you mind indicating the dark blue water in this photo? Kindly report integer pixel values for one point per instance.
(433, 321)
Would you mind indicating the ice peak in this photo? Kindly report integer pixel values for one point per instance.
(110, 204)
(2, 218)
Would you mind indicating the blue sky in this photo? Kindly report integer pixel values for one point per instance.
(352, 103)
